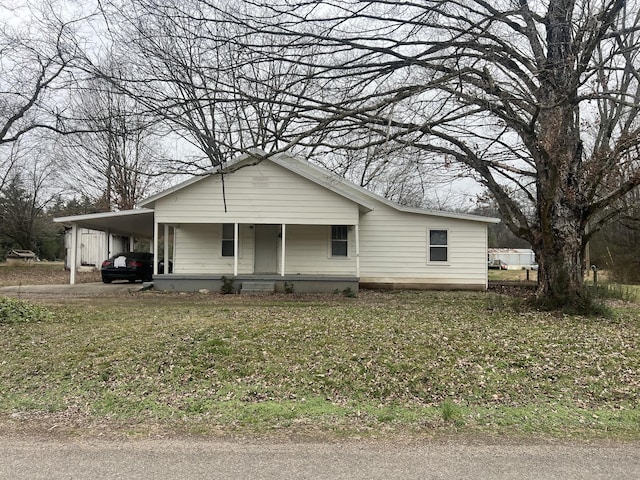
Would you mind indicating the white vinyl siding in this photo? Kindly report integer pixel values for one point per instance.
(394, 244)
(264, 193)
(198, 250)
(408, 260)
(308, 251)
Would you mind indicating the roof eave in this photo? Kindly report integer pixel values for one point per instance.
(91, 216)
(346, 185)
(439, 213)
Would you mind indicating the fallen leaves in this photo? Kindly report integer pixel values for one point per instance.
(180, 355)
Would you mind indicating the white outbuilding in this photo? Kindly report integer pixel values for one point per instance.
(515, 258)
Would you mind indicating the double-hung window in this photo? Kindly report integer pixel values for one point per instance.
(438, 246)
(339, 240)
(228, 239)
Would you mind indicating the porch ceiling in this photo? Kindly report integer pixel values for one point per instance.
(137, 223)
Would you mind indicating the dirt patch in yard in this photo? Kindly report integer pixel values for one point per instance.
(42, 273)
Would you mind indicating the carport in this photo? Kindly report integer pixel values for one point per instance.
(137, 223)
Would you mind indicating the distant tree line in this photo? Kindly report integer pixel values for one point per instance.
(26, 223)
(616, 248)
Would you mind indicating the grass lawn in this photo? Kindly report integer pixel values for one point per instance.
(513, 275)
(384, 363)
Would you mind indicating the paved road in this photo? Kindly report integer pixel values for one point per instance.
(191, 459)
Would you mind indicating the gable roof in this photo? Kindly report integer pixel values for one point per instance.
(289, 162)
(365, 199)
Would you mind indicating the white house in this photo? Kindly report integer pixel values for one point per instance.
(280, 222)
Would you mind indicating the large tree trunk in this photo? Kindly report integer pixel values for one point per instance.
(560, 205)
(561, 266)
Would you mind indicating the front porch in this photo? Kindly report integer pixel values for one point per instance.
(302, 257)
(308, 255)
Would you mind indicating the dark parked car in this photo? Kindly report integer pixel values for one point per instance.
(130, 266)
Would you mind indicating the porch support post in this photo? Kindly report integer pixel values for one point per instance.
(235, 249)
(154, 246)
(165, 253)
(284, 243)
(357, 230)
(173, 250)
(132, 243)
(73, 261)
(107, 241)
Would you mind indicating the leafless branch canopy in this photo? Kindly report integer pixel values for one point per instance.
(36, 73)
(492, 86)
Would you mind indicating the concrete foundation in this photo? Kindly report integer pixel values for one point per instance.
(286, 284)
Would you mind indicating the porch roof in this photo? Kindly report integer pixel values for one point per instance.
(138, 222)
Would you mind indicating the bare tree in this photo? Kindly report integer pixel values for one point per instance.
(403, 175)
(36, 55)
(190, 71)
(12, 157)
(532, 97)
(23, 201)
(116, 162)
(615, 247)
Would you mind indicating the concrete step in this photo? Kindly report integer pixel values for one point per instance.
(257, 288)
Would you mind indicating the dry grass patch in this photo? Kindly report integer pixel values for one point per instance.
(41, 273)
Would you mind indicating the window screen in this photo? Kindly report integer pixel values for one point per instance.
(339, 243)
(227, 239)
(438, 246)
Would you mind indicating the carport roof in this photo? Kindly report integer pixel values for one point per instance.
(138, 223)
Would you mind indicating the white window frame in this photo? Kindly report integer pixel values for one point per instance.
(446, 246)
(331, 240)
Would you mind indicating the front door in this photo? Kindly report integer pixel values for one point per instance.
(266, 259)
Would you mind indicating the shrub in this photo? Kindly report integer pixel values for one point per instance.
(347, 292)
(227, 286)
(288, 287)
(13, 310)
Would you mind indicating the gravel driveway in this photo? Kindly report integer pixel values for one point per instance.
(78, 290)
